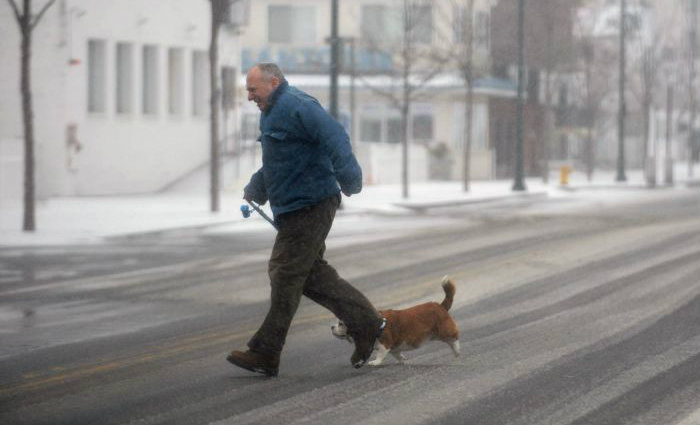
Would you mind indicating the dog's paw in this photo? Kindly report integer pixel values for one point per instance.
(375, 363)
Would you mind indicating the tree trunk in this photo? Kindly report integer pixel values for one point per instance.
(668, 164)
(468, 112)
(216, 11)
(469, 101)
(405, 98)
(27, 119)
(648, 163)
(548, 125)
(590, 149)
(404, 144)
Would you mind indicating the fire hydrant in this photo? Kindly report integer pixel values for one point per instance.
(564, 172)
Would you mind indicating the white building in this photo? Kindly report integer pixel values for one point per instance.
(121, 95)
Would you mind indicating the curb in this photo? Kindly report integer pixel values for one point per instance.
(422, 207)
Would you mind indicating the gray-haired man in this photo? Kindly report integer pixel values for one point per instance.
(306, 157)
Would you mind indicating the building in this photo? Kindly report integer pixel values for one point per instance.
(121, 95)
(294, 34)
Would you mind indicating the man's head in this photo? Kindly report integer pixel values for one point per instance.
(262, 80)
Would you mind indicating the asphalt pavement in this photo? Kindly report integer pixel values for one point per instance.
(572, 310)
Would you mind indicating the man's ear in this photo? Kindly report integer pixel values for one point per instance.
(275, 81)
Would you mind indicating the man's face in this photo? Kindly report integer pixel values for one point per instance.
(259, 88)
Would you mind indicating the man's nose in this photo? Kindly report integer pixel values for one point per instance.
(250, 96)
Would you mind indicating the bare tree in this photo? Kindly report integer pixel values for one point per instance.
(414, 64)
(649, 64)
(456, 48)
(27, 23)
(598, 83)
(652, 43)
(594, 66)
(221, 13)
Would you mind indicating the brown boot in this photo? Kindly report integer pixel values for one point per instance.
(364, 344)
(267, 364)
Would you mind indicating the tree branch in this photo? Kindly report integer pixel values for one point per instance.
(15, 9)
(41, 13)
(385, 94)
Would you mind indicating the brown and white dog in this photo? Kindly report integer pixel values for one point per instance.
(408, 329)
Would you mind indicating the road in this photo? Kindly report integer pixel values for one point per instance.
(570, 311)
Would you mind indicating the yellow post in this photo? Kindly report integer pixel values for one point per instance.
(564, 172)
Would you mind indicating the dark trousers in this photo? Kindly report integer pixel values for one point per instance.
(297, 268)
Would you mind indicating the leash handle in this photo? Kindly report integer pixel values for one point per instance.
(257, 208)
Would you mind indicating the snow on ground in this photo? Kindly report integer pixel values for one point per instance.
(82, 220)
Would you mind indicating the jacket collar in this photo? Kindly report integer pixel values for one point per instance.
(275, 94)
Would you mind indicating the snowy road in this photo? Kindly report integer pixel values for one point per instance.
(577, 311)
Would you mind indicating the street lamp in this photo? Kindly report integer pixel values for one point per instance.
(335, 60)
(622, 109)
(519, 183)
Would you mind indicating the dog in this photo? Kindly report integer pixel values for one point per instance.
(408, 329)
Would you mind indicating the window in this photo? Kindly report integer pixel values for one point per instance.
(422, 127)
(563, 95)
(460, 24)
(385, 24)
(200, 83)
(149, 82)
(393, 130)
(421, 23)
(97, 76)
(291, 24)
(482, 30)
(176, 81)
(370, 129)
(479, 127)
(380, 23)
(382, 124)
(125, 78)
(250, 128)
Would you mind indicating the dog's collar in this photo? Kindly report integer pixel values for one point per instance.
(382, 325)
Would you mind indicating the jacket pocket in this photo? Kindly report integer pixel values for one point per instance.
(276, 136)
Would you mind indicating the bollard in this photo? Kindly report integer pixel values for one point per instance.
(564, 172)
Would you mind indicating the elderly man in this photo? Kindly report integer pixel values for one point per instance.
(307, 162)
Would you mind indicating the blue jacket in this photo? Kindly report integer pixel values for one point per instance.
(306, 153)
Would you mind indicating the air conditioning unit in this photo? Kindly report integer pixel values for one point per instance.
(237, 14)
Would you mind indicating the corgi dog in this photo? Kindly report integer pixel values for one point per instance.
(408, 329)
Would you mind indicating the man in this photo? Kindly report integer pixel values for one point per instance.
(306, 154)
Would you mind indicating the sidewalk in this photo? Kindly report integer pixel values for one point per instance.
(92, 219)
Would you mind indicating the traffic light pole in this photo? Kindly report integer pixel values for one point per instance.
(622, 107)
(335, 60)
(519, 183)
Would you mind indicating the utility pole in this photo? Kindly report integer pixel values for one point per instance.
(335, 59)
(468, 28)
(691, 92)
(519, 183)
(352, 90)
(668, 165)
(622, 107)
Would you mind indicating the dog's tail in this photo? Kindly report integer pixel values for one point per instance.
(449, 289)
